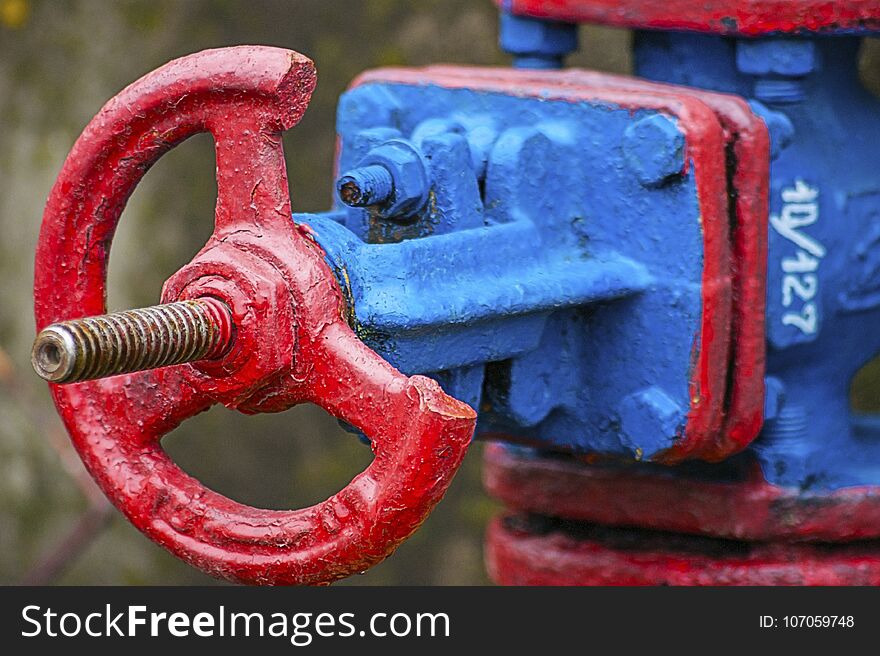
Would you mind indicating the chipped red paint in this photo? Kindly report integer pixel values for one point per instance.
(744, 17)
(292, 344)
(706, 143)
(748, 509)
(516, 556)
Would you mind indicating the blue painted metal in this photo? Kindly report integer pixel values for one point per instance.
(824, 262)
(553, 277)
(511, 285)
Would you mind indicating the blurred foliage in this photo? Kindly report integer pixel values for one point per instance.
(60, 60)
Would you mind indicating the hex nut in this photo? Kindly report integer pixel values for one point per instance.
(649, 420)
(654, 149)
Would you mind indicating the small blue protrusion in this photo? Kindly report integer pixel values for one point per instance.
(774, 397)
(536, 43)
(779, 126)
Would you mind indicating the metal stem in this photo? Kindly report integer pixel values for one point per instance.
(134, 340)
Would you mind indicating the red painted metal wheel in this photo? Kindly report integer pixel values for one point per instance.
(292, 343)
(518, 553)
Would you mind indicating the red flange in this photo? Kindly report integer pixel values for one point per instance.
(742, 17)
(665, 499)
(292, 342)
(517, 555)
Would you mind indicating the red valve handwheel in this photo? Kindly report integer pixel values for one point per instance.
(292, 342)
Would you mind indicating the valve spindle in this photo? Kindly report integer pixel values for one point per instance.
(134, 340)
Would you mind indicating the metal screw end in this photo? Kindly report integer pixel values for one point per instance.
(53, 354)
(365, 186)
(134, 340)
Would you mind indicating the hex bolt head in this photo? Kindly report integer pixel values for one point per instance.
(364, 141)
(535, 42)
(788, 57)
(649, 421)
(654, 149)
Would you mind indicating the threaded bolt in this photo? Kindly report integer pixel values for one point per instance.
(365, 186)
(780, 91)
(134, 340)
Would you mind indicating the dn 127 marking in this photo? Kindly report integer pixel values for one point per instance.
(800, 284)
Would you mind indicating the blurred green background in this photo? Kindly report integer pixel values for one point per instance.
(59, 62)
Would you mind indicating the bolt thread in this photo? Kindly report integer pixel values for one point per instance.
(780, 91)
(365, 186)
(789, 426)
(134, 340)
(783, 447)
(538, 62)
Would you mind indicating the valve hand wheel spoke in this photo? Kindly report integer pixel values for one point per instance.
(273, 334)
